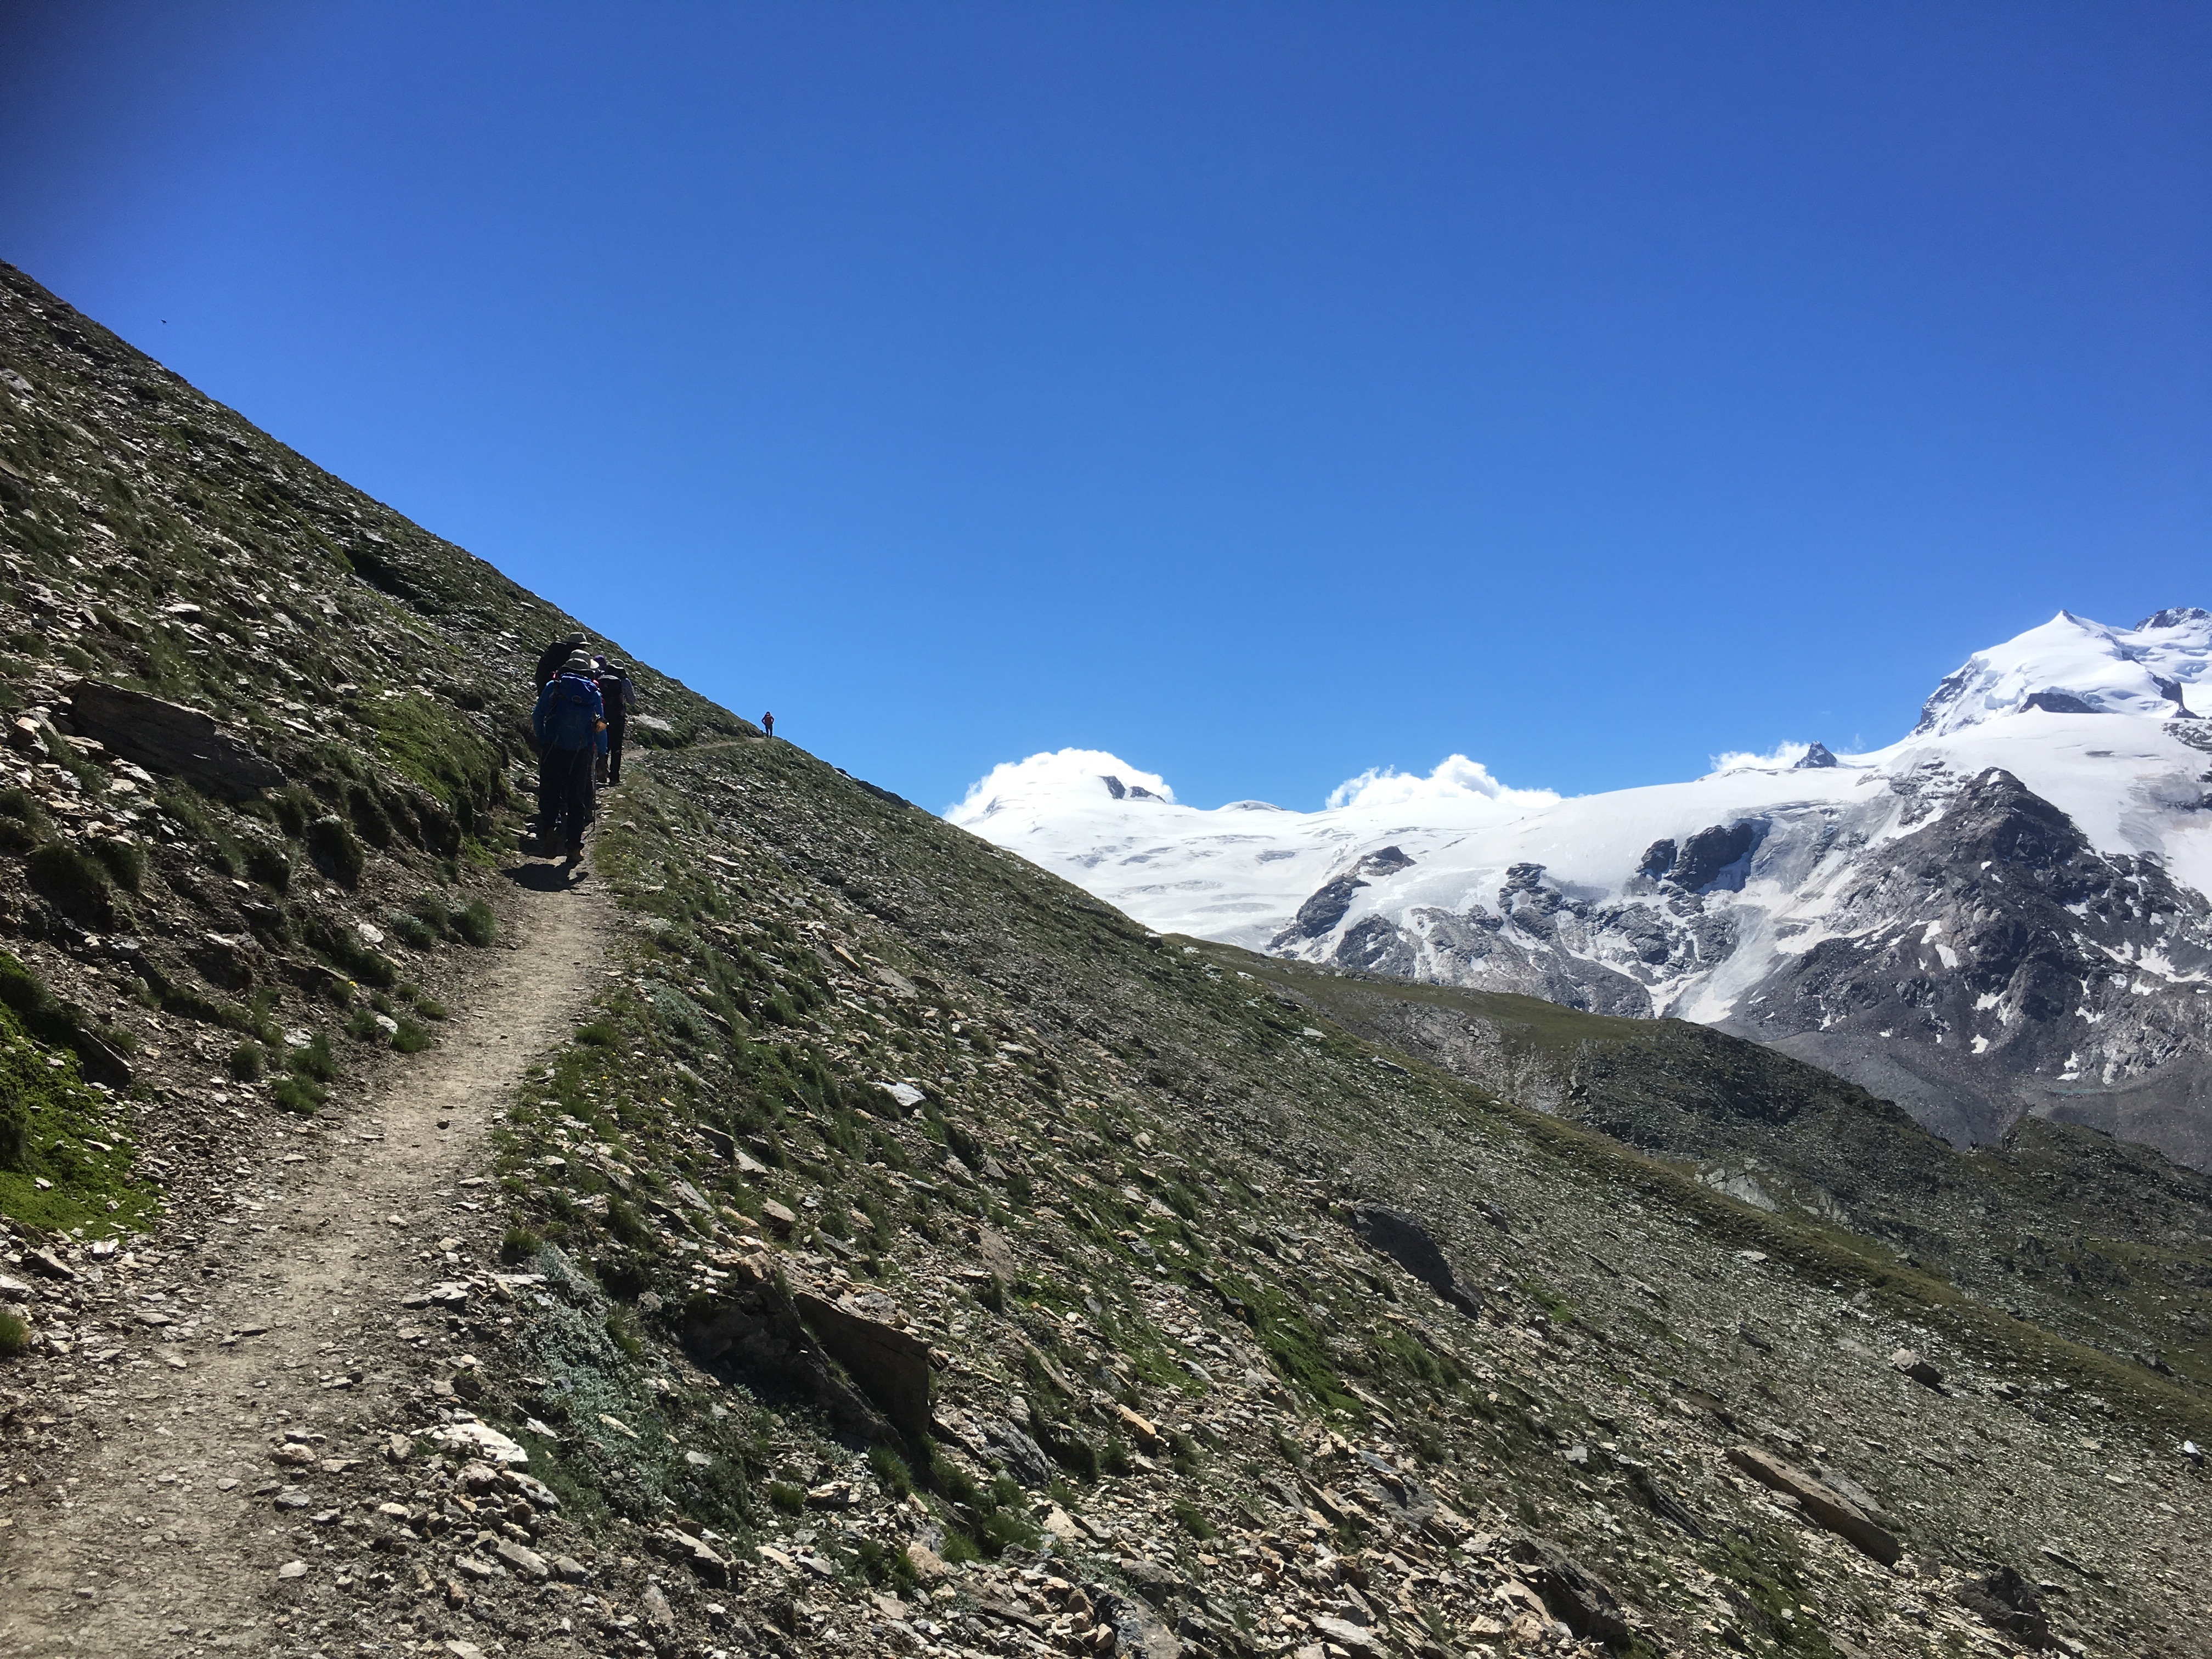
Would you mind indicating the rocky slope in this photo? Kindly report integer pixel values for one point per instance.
(904, 1252)
(2104, 1239)
(2004, 913)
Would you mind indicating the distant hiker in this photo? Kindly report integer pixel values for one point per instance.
(620, 701)
(570, 725)
(767, 724)
(551, 659)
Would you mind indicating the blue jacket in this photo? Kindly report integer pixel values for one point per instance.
(570, 715)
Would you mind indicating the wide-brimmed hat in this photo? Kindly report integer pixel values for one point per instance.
(578, 664)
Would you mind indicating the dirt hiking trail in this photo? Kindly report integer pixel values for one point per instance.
(155, 1541)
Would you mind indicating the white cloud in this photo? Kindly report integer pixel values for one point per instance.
(1055, 776)
(1743, 760)
(1456, 778)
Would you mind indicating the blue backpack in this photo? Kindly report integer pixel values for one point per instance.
(569, 713)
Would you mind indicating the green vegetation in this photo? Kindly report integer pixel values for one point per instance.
(64, 1158)
(476, 923)
(336, 851)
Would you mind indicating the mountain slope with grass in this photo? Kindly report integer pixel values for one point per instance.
(894, 1249)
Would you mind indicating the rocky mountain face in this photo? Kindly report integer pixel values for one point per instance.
(1995, 936)
(2004, 913)
(817, 1231)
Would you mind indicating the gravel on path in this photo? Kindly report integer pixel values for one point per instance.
(159, 1543)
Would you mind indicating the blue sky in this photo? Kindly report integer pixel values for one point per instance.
(1264, 392)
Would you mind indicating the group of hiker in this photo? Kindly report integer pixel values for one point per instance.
(584, 705)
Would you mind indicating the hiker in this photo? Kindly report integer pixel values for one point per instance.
(570, 725)
(620, 701)
(551, 659)
(767, 724)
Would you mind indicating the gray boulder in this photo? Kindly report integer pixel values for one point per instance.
(169, 737)
(1407, 1242)
(891, 1366)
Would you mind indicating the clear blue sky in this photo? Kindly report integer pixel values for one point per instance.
(1263, 392)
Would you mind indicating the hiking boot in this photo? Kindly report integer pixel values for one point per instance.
(575, 857)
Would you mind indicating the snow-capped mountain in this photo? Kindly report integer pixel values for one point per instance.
(2004, 912)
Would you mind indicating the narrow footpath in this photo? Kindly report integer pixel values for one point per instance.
(155, 1540)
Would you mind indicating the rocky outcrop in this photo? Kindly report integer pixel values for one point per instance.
(1819, 1500)
(169, 738)
(1574, 1595)
(1407, 1243)
(890, 1365)
(787, 1343)
(2008, 1603)
(1993, 962)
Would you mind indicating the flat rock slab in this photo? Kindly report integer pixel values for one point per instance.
(890, 1365)
(167, 737)
(1821, 1501)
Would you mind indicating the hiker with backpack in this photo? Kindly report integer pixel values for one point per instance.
(620, 701)
(551, 659)
(570, 723)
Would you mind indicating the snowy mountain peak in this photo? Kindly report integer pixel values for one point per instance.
(2005, 911)
(2161, 667)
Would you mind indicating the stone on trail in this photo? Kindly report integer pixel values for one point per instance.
(1910, 1362)
(1356, 1638)
(524, 1560)
(479, 1440)
(1138, 1633)
(293, 1570)
(695, 1554)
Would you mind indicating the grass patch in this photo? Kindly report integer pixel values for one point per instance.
(1192, 1519)
(336, 849)
(476, 923)
(123, 860)
(15, 1335)
(890, 1470)
(299, 1095)
(429, 743)
(56, 1129)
